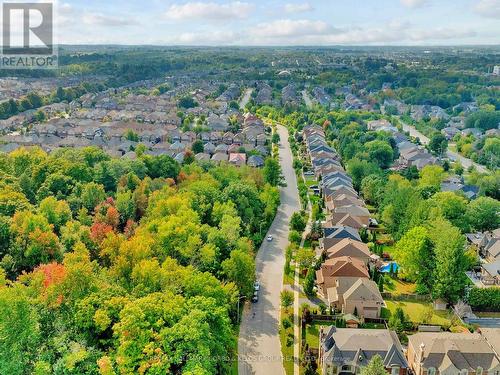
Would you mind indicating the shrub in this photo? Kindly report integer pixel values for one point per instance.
(485, 299)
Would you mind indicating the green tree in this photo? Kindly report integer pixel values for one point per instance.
(374, 367)
(91, 195)
(415, 255)
(483, 214)
(272, 171)
(380, 152)
(240, 269)
(449, 275)
(197, 146)
(298, 222)
(438, 143)
(286, 298)
(309, 282)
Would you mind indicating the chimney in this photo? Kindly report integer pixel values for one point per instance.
(421, 353)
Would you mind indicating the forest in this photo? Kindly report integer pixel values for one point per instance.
(113, 266)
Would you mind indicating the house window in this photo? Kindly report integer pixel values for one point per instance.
(431, 371)
(395, 370)
(479, 371)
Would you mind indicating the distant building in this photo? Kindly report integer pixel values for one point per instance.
(496, 70)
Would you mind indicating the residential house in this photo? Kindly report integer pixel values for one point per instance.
(334, 234)
(339, 271)
(219, 157)
(363, 299)
(443, 353)
(255, 161)
(344, 351)
(237, 159)
(348, 247)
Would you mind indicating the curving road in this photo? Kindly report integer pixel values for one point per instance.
(466, 163)
(246, 97)
(259, 347)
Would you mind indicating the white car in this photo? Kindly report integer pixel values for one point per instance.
(256, 286)
(269, 238)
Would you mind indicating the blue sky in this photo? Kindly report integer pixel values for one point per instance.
(274, 22)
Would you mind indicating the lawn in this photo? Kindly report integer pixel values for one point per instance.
(286, 339)
(312, 335)
(417, 309)
(398, 287)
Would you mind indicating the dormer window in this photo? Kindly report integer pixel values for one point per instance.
(479, 371)
(431, 371)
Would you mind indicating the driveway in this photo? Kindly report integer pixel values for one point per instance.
(259, 347)
(466, 163)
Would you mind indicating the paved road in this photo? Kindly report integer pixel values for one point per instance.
(307, 99)
(259, 347)
(466, 163)
(246, 97)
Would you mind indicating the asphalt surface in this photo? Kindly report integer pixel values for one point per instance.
(246, 97)
(466, 163)
(259, 347)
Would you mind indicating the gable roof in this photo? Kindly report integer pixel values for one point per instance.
(455, 351)
(349, 247)
(343, 266)
(358, 346)
(341, 231)
(364, 289)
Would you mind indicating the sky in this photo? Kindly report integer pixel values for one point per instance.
(279, 23)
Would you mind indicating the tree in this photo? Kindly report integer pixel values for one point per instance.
(449, 274)
(286, 298)
(438, 143)
(298, 222)
(415, 255)
(482, 214)
(453, 208)
(91, 195)
(432, 175)
(197, 146)
(484, 120)
(187, 102)
(309, 282)
(359, 169)
(162, 166)
(272, 171)
(305, 258)
(374, 367)
(380, 152)
(19, 331)
(380, 283)
(240, 269)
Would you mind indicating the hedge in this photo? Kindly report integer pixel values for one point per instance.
(485, 299)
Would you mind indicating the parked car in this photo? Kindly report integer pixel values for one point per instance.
(269, 238)
(255, 297)
(256, 286)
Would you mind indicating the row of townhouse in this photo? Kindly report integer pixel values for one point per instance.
(119, 139)
(343, 279)
(345, 351)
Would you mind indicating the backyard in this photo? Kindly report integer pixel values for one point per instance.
(419, 312)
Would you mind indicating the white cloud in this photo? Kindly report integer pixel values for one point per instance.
(441, 34)
(298, 8)
(488, 8)
(207, 38)
(99, 19)
(210, 11)
(291, 28)
(414, 3)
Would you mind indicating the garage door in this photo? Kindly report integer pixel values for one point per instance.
(370, 312)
